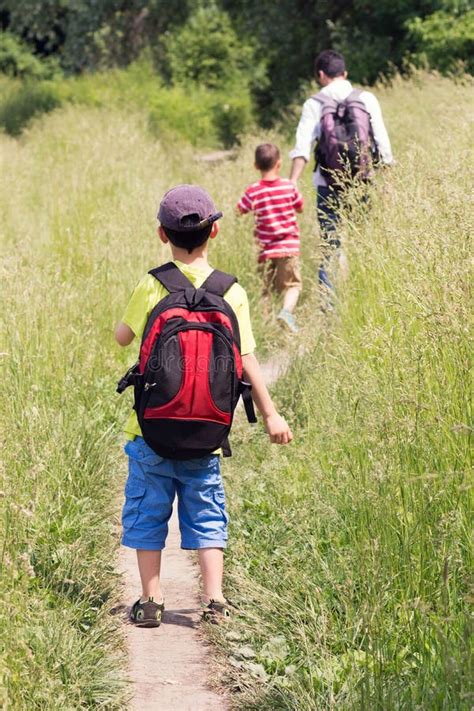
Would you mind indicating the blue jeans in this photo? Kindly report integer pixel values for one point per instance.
(152, 484)
(327, 204)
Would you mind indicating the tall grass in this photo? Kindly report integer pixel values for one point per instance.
(78, 198)
(350, 544)
(351, 551)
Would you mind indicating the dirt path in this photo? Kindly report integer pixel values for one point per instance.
(169, 666)
(216, 156)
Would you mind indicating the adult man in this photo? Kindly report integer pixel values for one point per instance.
(331, 74)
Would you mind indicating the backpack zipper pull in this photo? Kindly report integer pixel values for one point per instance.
(149, 385)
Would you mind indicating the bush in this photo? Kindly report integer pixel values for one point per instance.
(445, 41)
(207, 51)
(232, 117)
(16, 60)
(202, 117)
(25, 101)
(176, 113)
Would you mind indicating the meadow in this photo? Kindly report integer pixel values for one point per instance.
(350, 553)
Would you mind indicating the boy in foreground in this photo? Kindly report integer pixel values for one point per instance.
(153, 480)
(275, 202)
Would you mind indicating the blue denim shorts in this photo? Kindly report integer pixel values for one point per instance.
(153, 483)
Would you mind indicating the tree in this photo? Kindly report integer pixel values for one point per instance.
(207, 51)
(444, 40)
(86, 34)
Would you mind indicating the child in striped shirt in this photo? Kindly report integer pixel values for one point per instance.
(275, 202)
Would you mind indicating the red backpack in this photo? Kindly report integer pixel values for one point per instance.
(188, 378)
(346, 148)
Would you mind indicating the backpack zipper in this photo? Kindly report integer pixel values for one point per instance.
(191, 327)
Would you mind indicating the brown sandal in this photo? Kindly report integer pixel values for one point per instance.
(147, 614)
(216, 612)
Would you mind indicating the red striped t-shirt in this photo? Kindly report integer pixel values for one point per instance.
(274, 204)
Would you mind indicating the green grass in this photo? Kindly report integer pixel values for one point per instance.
(78, 229)
(352, 543)
(350, 553)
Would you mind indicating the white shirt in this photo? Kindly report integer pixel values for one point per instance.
(308, 129)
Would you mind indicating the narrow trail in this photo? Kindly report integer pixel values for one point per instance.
(169, 667)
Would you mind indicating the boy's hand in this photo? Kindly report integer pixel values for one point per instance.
(278, 430)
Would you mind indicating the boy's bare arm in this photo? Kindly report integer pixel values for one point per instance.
(124, 334)
(275, 424)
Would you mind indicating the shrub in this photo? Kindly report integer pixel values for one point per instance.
(16, 60)
(203, 117)
(175, 112)
(232, 117)
(24, 101)
(444, 41)
(207, 51)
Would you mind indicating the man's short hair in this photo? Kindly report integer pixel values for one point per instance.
(330, 62)
(266, 156)
(190, 239)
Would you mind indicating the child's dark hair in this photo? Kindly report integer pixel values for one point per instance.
(188, 240)
(330, 62)
(266, 156)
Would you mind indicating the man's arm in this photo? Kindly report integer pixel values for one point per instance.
(297, 166)
(275, 425)
(124, 334)
(306, 134)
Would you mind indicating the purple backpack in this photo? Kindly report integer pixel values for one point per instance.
(346, 149)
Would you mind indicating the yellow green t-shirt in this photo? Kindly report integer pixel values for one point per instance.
(149, 292)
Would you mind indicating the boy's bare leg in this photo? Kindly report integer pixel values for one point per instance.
(291, 298)
(149, 565)
(211, 561)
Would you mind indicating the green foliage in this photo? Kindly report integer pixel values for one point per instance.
(241, 45)
(372, 35)
(444, 41)
(86, 34)
(232, 116)
(207, 51)
(16, 60)
(204, 118)
(198, 115)
(21, 102)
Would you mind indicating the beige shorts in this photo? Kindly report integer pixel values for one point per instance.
(281, 273)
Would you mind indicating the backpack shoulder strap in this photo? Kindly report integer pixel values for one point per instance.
(354, 96)
(324, 100)
(218, 282)
(171, 277)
